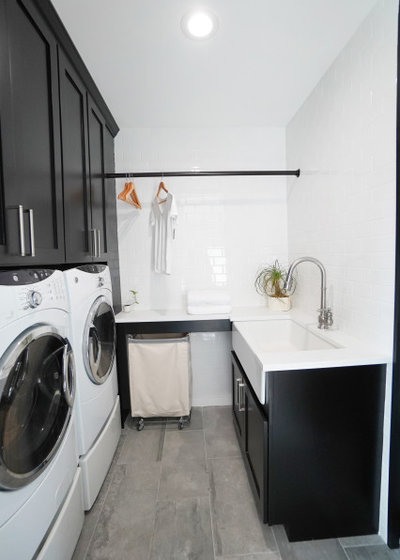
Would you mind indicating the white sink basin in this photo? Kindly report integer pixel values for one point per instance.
(283, 336)
(278, 345)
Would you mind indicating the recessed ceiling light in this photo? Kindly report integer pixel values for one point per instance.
(199, 24)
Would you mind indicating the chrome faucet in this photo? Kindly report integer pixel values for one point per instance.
(325, 317)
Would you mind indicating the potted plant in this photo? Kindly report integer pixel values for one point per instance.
(134, 301)
(269, 282)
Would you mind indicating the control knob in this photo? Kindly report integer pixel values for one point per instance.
(33, 298)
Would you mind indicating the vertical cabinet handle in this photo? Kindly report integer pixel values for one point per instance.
(98, 243)
(21, 230)
(31, 232)
(241, 395)
(93, 242)
(237, 397)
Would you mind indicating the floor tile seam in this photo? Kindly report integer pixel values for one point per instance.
(187, 430)
(345, 553)
(101, 507)
(359, 545)
(112, 476)
(156, 501)
(209, 488)
(239, 456)
(248, 555)
(279, 550)
(209, 495)
(276, 541)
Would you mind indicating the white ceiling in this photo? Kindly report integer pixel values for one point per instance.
(256, 71)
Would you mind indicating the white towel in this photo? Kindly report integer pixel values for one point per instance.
(209, 309)
(208, 297)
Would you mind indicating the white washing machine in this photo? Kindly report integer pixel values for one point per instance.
(93, 339)
(41, 505)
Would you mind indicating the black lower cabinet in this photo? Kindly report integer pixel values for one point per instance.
(251, 427)
(313, 452)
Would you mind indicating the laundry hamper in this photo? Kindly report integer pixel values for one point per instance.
(160, 378)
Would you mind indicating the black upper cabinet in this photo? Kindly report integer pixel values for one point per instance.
(111, 206)
(31, 203)
(87, 149)
(75, 159)
(56, 143)
(97, 162)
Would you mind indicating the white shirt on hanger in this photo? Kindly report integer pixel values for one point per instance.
(163, 219)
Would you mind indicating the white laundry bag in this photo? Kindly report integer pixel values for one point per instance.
(159, 375)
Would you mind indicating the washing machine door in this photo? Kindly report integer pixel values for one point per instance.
(36, 398)
(99, 341)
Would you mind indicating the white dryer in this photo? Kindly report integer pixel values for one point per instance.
(93, 340)
(41, 508)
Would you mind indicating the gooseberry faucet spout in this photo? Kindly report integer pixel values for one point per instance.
(325, 317)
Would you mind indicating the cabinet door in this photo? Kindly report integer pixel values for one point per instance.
(256, 446)
(32, 213)
(77, 215)
(238, 406)
(111, 212)
(98, 196)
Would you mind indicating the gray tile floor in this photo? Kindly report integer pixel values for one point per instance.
(175, 495)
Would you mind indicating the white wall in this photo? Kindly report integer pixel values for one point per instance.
(227, 228)
(342, 210)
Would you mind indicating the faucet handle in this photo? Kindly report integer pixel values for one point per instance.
(325, 318)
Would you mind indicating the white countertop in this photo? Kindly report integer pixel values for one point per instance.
(155, 315)
(162, 315)
(348, 351)
(258, 361)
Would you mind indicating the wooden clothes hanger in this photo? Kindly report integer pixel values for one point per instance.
(134, 197)
(161, 187)
(123, 193)
(129, 195)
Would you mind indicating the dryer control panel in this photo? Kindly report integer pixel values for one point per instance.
(24, 291)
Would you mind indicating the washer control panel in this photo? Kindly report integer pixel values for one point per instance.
(33, 298)
(48, 293)
(27, 290)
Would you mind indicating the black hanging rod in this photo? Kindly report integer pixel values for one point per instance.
(162, 174)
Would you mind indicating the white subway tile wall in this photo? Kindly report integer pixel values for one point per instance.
(342, 209)
(227, 226)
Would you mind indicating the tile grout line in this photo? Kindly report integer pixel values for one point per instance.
(104, 500)
(361, 544)
(276, 541)
(209, 489)
(344, 550)
(159, 459)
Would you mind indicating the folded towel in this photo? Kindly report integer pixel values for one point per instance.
(209, 309)
(208, 297)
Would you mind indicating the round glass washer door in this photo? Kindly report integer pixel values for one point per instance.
(99, 340)
(37, 380)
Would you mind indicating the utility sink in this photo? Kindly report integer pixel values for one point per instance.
(278, 345)
(283, 336)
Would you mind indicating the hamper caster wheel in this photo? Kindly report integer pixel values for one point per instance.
(181, 424)
(140, 424)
